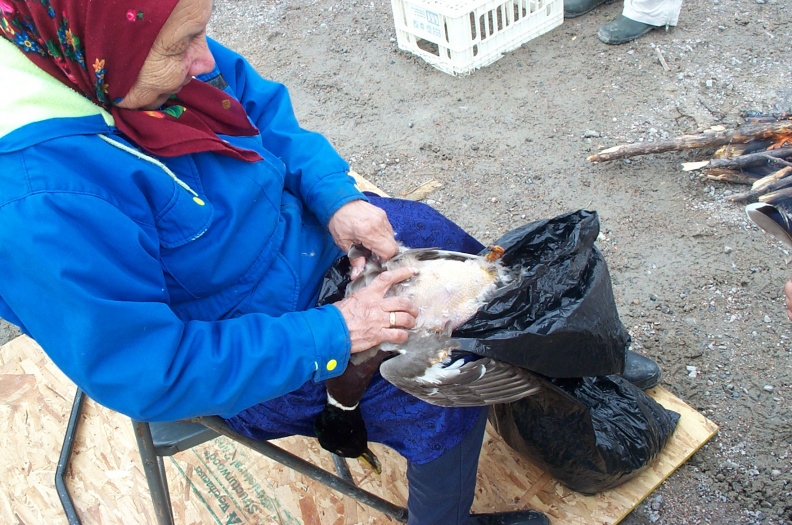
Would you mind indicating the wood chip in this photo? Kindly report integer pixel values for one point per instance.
(662, 59)
(423, 190)
(693, 166)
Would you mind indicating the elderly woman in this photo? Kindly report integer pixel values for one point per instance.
(165, 226)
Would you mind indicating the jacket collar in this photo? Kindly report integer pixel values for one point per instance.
(34, 104)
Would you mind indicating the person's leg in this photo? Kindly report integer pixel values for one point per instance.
(638, 18)
(441, 491)
(418, 225)
(653, 12)
(575, 8)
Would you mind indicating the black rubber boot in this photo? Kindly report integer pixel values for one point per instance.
(623, 30)
(641, 371)
(573, 8)
(517, 517)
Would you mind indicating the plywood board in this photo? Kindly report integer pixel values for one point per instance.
(224, 482)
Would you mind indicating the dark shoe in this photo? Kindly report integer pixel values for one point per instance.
(517, 517)
(573, 8)
(623, 30)
(641, 371)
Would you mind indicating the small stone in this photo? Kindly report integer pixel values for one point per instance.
(767, 388)
(590, 134)
(767, 319)
(775, 473)
(727, 249)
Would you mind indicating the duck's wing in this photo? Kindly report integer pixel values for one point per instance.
(772, 220)
(430, 370)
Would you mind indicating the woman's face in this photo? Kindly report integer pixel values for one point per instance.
(179, 53)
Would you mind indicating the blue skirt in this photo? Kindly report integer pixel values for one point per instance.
(417, 430)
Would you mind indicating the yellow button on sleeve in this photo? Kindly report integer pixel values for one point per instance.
(199, 201)
(332, 364)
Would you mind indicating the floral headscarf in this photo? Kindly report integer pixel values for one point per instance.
(97, 47)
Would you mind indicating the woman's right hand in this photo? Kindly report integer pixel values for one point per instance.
(788, 297)
(372, 318)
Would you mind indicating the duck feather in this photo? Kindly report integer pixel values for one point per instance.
(429, 367)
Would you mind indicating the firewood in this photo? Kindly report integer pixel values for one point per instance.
(754, 195)
(751, 159)
(767, 179)
(730, 175)
(777, 196)
(729, 151)
(743, 134)
(752, 116)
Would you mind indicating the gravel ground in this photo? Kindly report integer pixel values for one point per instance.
(698, 286)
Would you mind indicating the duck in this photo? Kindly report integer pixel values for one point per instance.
(449, 288)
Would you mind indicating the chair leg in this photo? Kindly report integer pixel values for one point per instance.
(154, 469)
(65, 458)
(306, 468)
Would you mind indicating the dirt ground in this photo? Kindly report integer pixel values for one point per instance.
(695, 283)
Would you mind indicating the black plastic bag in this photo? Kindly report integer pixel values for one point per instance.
(591, 434)
(559, 318)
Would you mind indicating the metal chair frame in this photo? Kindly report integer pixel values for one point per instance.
(156, 440)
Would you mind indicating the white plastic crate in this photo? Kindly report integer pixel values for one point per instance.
(460, 36)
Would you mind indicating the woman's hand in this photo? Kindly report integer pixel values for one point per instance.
(372, 318)
(788, 294)
(359, 222)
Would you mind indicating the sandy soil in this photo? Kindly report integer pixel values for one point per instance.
(695, 283)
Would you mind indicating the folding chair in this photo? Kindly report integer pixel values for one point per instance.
(156, 440)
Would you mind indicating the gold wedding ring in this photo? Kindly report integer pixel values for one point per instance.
(392, 319)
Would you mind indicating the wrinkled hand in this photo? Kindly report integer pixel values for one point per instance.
(788, 298)
(359, 222)
(367, 312)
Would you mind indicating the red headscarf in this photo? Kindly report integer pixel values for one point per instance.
(97, 47)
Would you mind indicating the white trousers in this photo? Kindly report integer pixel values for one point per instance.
(653, 12)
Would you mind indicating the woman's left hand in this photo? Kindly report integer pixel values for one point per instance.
(359, 222)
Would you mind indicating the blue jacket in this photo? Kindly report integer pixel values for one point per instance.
(168, 287)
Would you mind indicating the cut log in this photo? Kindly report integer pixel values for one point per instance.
(776, 196)
(753, 116)
(743, 134)
(754, 195)
(751, 159)
(730, 175)
(769, 179)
